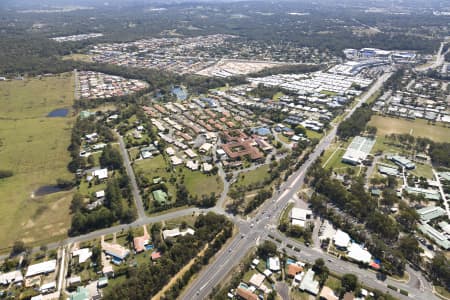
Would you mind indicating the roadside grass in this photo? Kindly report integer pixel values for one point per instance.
(442, 292)
(335, 161)
(285, 214)
(189, 219)
(418, 128)
(313, 134)
(253, 176)
(34, 147)
(374, 97)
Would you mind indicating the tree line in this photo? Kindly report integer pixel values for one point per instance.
(150, 277)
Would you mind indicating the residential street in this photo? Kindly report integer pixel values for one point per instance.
(134, 187)
(265, 222)
(260, 226)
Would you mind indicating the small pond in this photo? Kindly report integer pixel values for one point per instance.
(47, 190)
(180, 93)
(60, 112)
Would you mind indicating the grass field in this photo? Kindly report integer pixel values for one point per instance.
(313, 134)
(196, 182)
(254, 176)
(418, 128)
(284, 139)
(199, 184)
(34, 147)
(78, 57)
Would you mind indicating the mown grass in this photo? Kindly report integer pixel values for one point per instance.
(34, 147)
(311, 134)
(418, 128)
(253, 176)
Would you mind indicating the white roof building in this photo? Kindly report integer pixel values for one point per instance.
(13, 276)
(220, 152)
(41, 268)
(299, 216)
(190, 153)
(48, 287)
(257, 280)
(100, 194)
(207, 167)
(192, 165)
(308, 283)
(83, 254)
(274, 264)
(170, 233)
(170, 151)
(176, 161)
(205, 147)
(74, 280)
(357, 253)
(341, 239)
(100, 174)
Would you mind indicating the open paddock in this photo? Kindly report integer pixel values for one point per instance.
(34, 147)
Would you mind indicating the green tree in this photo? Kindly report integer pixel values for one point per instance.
(300, 130)
(267, 249)
(111, 158)
(77, 202)
(18, 247)
(349, 282)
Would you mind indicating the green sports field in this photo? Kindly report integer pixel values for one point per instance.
(34, 147)
(417, 128)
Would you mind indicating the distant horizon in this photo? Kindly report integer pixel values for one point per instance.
(23, 4)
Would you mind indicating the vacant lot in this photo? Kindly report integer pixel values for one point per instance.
(34, 147)
(418, 128)
(254, 176)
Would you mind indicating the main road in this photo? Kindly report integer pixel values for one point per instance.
(439, 61)
(265, 223)
(257, 228)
